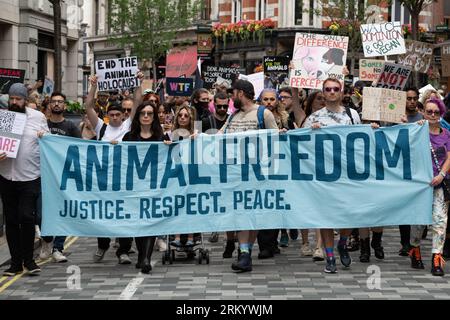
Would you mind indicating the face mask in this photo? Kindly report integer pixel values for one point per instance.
(203, 104)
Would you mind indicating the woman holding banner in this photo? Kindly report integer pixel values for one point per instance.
(145, 127)
(440, 155)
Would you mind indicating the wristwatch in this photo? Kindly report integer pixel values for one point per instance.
(442, 174)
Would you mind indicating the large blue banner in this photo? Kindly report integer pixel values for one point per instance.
(335, 177)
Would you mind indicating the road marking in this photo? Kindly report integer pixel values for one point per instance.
(132, 286)
(69, 241)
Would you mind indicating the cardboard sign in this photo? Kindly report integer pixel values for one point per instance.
(370, 69)
(12, 125)
(213, 73)
(115, 74)
(181, 87)
(317, 57)
(382, 39)
(445, 62)
(394, 76)
(383, 105)
(9, 77)
(418, 55)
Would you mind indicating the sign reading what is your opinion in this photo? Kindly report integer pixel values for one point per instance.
(383, 39)
(115, 74)
(12, 125)
(182, 87)
(393, 76)
(383, 105)
(248, 181)
(317, 57)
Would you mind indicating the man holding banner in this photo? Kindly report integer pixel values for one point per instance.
(20, 186)
(247, 117)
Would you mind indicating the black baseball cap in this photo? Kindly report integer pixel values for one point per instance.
(245, 86)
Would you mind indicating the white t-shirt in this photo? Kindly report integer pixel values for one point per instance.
(113, 133)
(326, 117)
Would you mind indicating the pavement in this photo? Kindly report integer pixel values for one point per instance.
(288, 276)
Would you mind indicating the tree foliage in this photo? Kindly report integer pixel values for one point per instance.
(149, 27)
(415, 7)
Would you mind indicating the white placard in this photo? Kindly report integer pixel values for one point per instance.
(115, 74)
(382, 39)
(12, 125)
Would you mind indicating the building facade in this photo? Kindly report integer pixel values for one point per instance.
(26, 41)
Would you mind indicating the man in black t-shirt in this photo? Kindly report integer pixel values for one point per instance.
(215, 121)
(58, 125)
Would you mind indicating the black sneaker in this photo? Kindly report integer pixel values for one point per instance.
(13, 270)
(265, 254)
(229, 249)
(293, 233)
(33, 268)
(346, 260)
(378, 250)
(404, 250)
(331, 265)
(244, 263)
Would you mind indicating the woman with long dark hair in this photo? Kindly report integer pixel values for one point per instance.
(145, 127)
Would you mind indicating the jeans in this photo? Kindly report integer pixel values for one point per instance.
(58, 242)
(19, 205)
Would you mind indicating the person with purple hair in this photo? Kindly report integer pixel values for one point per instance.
(440, 154)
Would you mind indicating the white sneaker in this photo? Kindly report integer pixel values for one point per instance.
(46, 250)
(161, 245)
(58, 256)
(306, 250)
(318, 254)
(124, 259)
(99, 255)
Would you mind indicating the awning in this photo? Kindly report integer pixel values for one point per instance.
(181, 62)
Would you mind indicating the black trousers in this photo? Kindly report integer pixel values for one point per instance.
(267, 239)
(124, 245)
(19, 207)
(145, 246)
(405, 234)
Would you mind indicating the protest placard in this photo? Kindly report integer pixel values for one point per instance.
(212, 73)
(140, 192)
(394, 76)
(12, 125)
(115, 74)
(317, 57)
(445, 62)
(382, 39)
(48, 87)
(9, 77)
(276, 71)
(370, 69)
(381, 104)
(182, 87)
(257, 80)
(418, 55)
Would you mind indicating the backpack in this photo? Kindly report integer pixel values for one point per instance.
(260, 116)
(349, 113)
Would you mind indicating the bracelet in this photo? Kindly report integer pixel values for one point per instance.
(442, 174)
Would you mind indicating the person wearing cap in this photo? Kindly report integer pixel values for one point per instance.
(112, 132)
(244, 119)
(20, 185)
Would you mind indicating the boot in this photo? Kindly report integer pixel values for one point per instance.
(416, 258)
(437, 265)
(148, 245)
(229, 249)
(376, 245)
(365, 250)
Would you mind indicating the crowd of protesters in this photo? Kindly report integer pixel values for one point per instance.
(115, 117)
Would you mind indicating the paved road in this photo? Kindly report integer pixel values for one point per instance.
(287, 276)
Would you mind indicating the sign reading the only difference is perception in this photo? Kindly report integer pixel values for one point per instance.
(12, 125)
(317, 57)
(382, 39)
(383, 105)
(115, 74)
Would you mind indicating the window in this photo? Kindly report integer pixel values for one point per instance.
(298, 12)
(236, 9)
(262, 9)
(206, 10)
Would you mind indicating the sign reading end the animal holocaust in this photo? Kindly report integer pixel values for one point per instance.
(115, 74)
(335, 177)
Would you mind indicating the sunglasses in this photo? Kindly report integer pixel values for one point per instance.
(126, 110)
(221, 106)
(335, 89)
(432, 112)
(412, 98)
(269, 99)
(146, 113)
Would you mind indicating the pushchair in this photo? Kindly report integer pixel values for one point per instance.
(170, 255)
